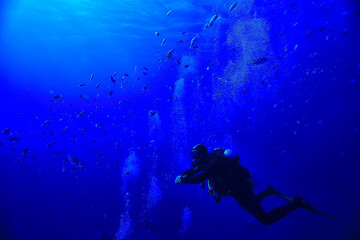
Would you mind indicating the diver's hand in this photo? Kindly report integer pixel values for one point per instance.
(178, 180)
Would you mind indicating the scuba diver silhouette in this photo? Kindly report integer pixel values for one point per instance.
(226, 177)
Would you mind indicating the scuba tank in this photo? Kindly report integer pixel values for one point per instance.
(211, 188)
(244, 171)
(253, 183)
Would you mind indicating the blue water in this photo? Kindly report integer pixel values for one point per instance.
(109, 172)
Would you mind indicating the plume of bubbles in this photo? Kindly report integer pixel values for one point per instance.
(186, 221)
(125, 229)
(131, 167)
(154, 124)
(130, 171)
(179, 128)
(179, 92)
(190, 62)
(155, 193)
(249, 38)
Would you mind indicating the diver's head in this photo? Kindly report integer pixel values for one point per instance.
(199, 154)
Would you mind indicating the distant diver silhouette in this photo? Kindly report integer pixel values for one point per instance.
(226, 177)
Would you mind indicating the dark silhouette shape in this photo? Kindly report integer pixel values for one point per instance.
(228, 178)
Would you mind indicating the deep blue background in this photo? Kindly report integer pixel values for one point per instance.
(293, 120)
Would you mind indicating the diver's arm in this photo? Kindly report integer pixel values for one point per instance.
(190, 172)
(199, 178)
(187, 173)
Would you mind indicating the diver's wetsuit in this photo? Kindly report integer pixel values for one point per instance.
(229, 176)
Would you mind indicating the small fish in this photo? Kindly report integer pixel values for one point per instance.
(111, 93)
(186, 66)
(74, 161)
(82, 84)
(57, 96)
(157, 34)
(6, 131)
(91, 77)
(183, 33)
(293, 5)
(181, 40)
(260, 60)
(115, 73)
(46, 123)
(168, 13)
(193, 41)
(278, 34)
(50, 144)
(170, 54)
(113, 80)
(97, 85)
(81, 114)
(310, 33)
(1, 143)
(211, 21)
(126, 75)
(163, 41)
(26, 150)
(178, 62)
(14, 139)
(152, 113)
(146, 68)
(232, 6)
(145, 73)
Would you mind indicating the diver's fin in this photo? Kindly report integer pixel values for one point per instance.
(307, 206)
(314, 210)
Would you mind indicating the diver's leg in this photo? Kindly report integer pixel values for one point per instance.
(280, 212)
(270, 190)
(252, 205)
(266, 193)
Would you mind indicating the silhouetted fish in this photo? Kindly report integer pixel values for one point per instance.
(170, 54)
(232, 6)
(6, 131)
(163, 41)
(113, 80)
(81, 114)
(211, 21)
(193, 41)
(260, 60)
(14, 139)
